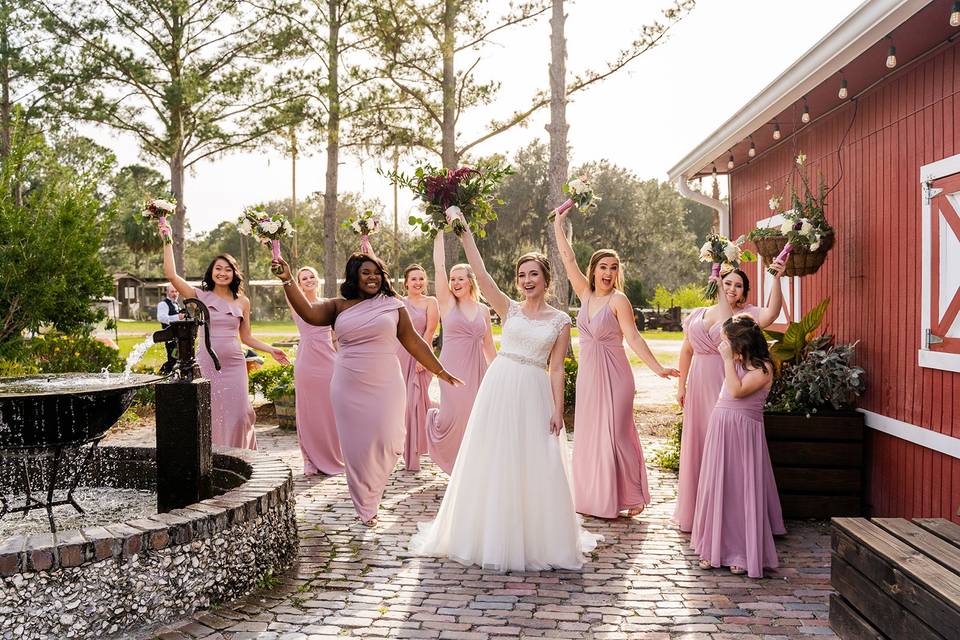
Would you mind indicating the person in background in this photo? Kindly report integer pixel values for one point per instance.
(168, 310)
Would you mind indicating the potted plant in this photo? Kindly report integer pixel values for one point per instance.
(804, 238)
(815, 436)
(276, 385)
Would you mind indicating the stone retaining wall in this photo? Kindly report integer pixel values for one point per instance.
(101, 581)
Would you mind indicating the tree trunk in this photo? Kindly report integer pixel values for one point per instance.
(5, 107)
(295, 262)
(179, 219)
(176, 142)
(330, 266)
(557, 129)
(448, 138)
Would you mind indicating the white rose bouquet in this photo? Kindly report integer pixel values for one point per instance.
(725, 256)
(264, 227)
(158, 209)
(580, 193)
(364, 225)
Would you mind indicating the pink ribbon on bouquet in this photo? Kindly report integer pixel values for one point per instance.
(275, 248)
(559, 210)
(715, 272)
(782, 257)
(365, 246)
(165, 230)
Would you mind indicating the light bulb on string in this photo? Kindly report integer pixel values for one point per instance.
(713, 170)
(891, 54)
(842, 94)
(776, 131)
(753, 148)
(805, 118)
(730, 162)
(955, 15)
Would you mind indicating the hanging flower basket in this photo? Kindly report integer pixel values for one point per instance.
(801, 261)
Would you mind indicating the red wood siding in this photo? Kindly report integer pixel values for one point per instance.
(873, 273)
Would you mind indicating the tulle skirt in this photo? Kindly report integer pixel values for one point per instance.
(508, 505)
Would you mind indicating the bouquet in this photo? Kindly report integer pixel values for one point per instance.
(264, 227)
(158, 209)
(580, 193)
(725, 255)
(470, 190)
(364, 225)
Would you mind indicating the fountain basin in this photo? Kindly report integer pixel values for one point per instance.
(63, 410)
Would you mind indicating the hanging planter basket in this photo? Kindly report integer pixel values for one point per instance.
(802, 261)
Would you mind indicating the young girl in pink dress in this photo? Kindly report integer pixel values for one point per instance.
(609, 475)
(467, 351)
(701, 375)
(425, 315)
(312, 372)
(738, 509)
(231, 412)
(367, 389)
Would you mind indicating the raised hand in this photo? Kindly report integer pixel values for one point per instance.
(726, 352)
(777, 266)
(280, 267)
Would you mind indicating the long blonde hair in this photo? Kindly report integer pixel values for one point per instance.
(595, 259)
(471, 276)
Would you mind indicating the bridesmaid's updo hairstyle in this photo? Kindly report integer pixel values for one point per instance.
(236, 285)
(413, 267)
(350, 288)
(747, 341)
(595, 259)
(743, 277)
(471, 276)
(540, 259)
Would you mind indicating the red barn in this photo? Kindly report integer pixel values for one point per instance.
(880, 94)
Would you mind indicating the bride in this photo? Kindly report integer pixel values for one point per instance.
(508, 505)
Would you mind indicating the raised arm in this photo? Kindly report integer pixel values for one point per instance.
(444, 297)
(420, 350)
(184, 288)
(579, 282)
(557, 376)
(488, 288)
(620, 305)
(770, 313)
(320, 313)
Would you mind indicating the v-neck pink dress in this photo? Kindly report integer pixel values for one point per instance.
(418, 395)
(704, 381)
(609, 475)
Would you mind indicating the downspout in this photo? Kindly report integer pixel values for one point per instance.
(722, 212)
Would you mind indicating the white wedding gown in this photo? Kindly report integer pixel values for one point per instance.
(508, 505)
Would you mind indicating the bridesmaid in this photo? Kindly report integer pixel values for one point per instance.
(467, 350)
(701, 375)
(738, 509)
(231, 412)
(424, 315)
(609, 475)
(367, 389)
(312, 371)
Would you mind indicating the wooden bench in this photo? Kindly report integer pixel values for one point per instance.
(895, 579)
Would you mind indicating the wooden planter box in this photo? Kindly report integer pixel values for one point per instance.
(818, 463)
(286, 408)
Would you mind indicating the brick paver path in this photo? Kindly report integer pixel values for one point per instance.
(642, 582)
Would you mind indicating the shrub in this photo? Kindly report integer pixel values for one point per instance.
(824, 379)
(689, 296)
(668, 456)
(56, 353)
(9, 367)
(570, 384)
(273, 382)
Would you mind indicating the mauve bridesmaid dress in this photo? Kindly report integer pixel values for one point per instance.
(316, 426)
(368, 397)
(418, 396)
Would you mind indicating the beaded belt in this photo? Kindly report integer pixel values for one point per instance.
(522, 359)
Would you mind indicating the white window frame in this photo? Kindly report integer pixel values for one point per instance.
(789, 287)
(926, 358)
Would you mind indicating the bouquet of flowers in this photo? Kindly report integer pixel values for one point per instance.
(580, 193)
(264, 227)
(470, 190)
(158, 209)
(364, 225)
(725, 255)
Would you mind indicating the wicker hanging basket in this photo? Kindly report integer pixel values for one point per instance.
(802, 261)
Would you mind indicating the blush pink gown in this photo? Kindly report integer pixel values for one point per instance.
(738, 509)
(609, 475)
(461, 355)
(703, 388)
(368, 397)
(231, 412)
(418, 396)
(316, 426)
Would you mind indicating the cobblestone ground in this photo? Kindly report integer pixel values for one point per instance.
(642, 582)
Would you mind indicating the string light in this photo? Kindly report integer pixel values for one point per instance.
(776, 131)
(753, 148)
(730, 162)
(842, 94)
(714, 170)
(891, 54)
(955, 15)
(805, 118)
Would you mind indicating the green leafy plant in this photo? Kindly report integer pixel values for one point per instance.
(689, 296)
(668, 456)
(55, 353)
(570, 368)
(273, 382)
(790, 346)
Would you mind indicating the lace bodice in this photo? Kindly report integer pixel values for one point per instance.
(530, 341)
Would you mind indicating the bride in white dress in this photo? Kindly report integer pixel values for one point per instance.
(508, 505)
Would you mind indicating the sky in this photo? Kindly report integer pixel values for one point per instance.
(644, 118)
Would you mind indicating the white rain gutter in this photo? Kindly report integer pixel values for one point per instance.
(723, 213)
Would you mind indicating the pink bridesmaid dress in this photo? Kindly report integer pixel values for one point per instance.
(703, 388)
(231, 412)
(461, 355)
(609, 475)
(738, 509)
(316, 427)
(418, 396)
(368, 397)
